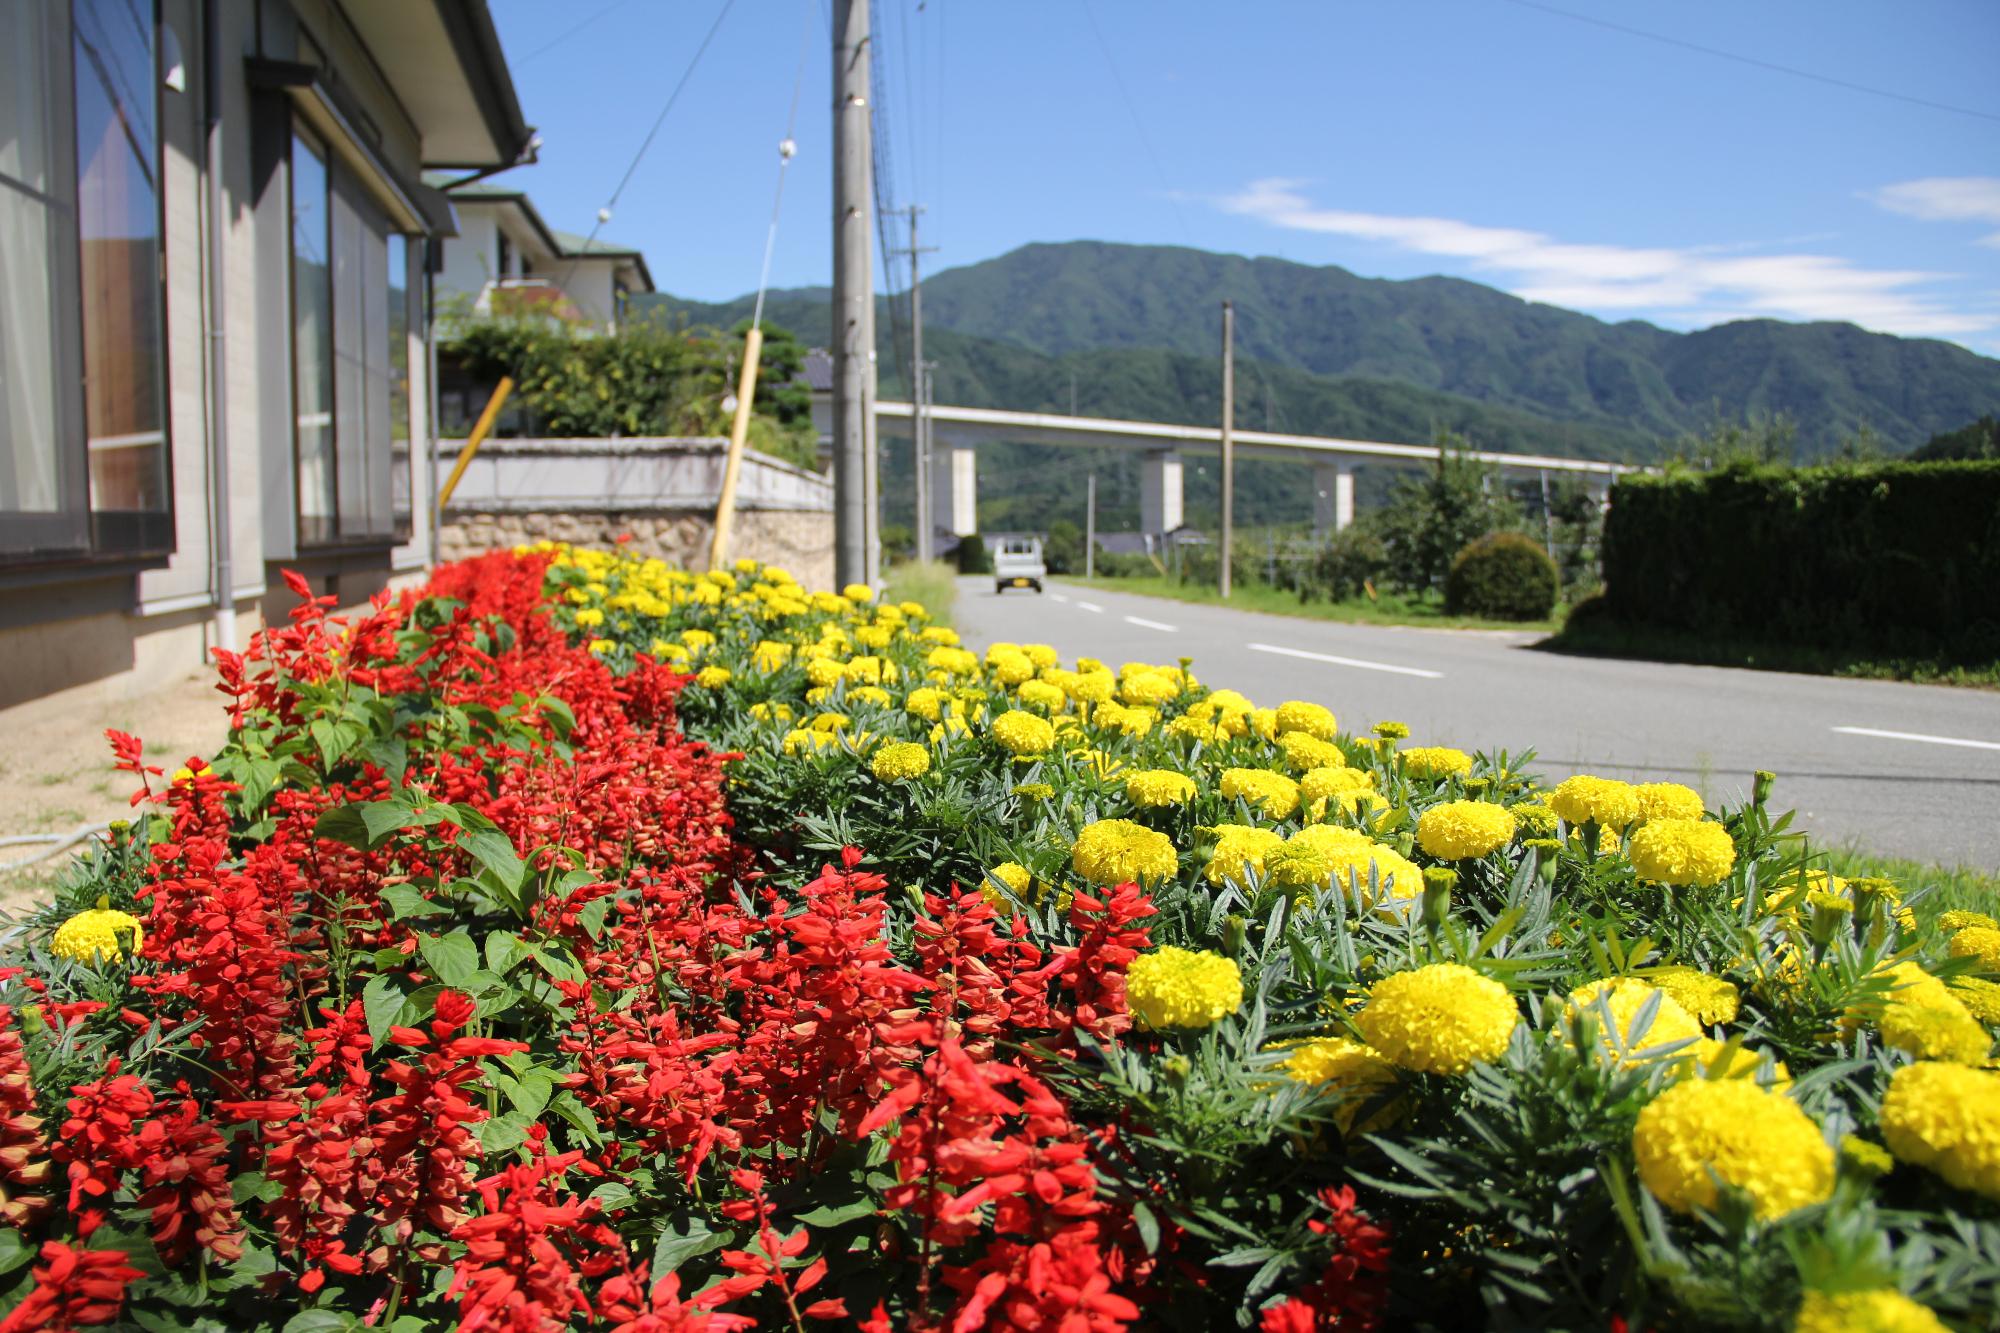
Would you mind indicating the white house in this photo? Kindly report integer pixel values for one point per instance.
(215, 319)
(505, 256)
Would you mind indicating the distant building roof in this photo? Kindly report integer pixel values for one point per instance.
(565, 244)
(819, 370)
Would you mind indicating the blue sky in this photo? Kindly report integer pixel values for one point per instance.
(1489, 139)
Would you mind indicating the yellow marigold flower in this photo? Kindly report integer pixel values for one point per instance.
(877, 637)
(858, 593)
(1605, 802)
(1305, 751)
(1313, 719)
(1117, 851)
(1345, 1068)
(1322, 784)
(667, 653)
(92, 935)
(606, 645)
(697, 640)
(869, 694)
(1439, 1019)
(1112, 716)
(1240, 849)
(1711, 1000)
(1436, 761)
(1182, 988)
(1681, 851)
(1954, 921)
(900, 762)
(1700, 1130)
(1194, 729)
(1621, 998)
(1981, 998)
(926, 702)
(1720, 1059)
(1036, 791)
(1041, 654)
(1143, 688)
(1533, 819)
(1271, 794)
(1015, 876)
(1151, 788)
(1935, 1033)
(1264, 722)
(1870, 1159)
(952, 661)
(1040, 694)
(1668, 800)
(1946, 1118)
(870, 670)
(1091, 687)
(1023, 734)
(1882, 1310)
(939, 635)
(589, 617)
(1009, 665)
(1391, 731)
(809, 739)
(771, 712)
(769, 655)
(1323, 854)
(824, 671)
(712, 678)
(1464, 830)
(1981, 942)
(1910, 984)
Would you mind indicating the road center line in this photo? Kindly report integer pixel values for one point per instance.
(1057, 597)
(1089, 606)
(1918, 736)
(1343, 661)
(1144, 623)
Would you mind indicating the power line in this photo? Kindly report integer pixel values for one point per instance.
(604, 213)
(1754, 62)
(549, 46)
(1138, 124)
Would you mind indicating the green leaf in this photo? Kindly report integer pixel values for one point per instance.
(391, 755)
(381, 1001)
(451, 958)
(343, 824)
(503, 950)
(612, 1195)
(14, 1251)
(321, 1321)
(495, 851)
(687, 1237)
(833, 1214)
(591, 918)
(407, 900)
(503, 1134)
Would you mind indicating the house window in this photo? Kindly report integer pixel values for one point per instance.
(399, 383)
(506, 256)
(83, 432)
(312, 342)
(348, 310)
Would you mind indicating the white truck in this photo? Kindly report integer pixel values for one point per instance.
(1018, 564)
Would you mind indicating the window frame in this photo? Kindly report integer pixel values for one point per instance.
(295, 131)
(77, 530)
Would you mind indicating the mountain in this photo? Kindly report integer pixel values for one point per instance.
(1344, 354)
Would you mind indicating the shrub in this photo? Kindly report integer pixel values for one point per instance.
(1350, 562)
(1900, 558)
(1504, 576)
(973, 557)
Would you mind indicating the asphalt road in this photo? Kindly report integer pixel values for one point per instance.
(1931, 792)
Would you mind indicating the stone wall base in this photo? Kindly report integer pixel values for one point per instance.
(800, 541)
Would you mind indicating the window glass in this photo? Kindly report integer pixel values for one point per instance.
(30, 438)
(118, 228)
(399, 380)
(312, 340)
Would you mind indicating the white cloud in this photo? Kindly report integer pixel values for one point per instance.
(1946, 199)
(1699, 285)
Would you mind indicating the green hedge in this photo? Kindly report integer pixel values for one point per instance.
(1900, 558)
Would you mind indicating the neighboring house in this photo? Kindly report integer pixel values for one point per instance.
(504, 250)
(214, 316)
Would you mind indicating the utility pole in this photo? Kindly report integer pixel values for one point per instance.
(853, 296)
(1090, 527)
(920, 438)
(1228, 443)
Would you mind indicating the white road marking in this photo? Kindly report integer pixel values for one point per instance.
(1343, 661)
(1090, 606)
(1144, 623)
(1919, 736)
(1057, 597)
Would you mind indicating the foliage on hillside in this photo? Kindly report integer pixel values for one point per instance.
(1978, 439)
(1457, 338)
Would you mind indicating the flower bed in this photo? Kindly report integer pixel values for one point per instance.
(921, 990)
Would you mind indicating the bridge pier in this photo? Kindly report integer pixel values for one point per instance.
(1333, 497)
(955, 488)
(1160, 491)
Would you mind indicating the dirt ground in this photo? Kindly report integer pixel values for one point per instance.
(55, 766)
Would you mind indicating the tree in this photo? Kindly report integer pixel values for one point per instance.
(1428, 521)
